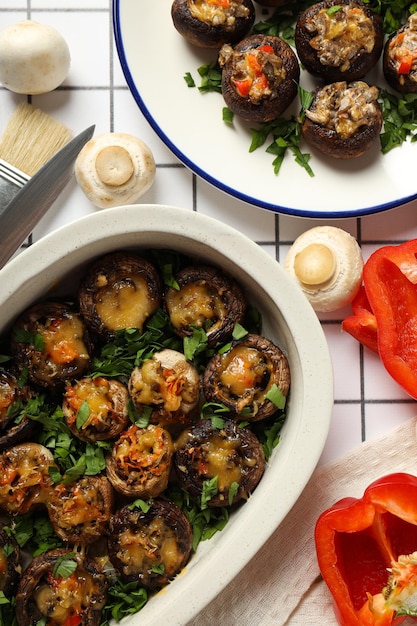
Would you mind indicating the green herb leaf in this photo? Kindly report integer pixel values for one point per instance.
(276, 396)
(189, 80)
(140, 504)
(234, 488)
(227, 115)
(83, 414)
(210, 488)
(65, 565)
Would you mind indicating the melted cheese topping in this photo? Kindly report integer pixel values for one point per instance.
(221, 460)
(218, 12)
(125, 306)
(170, 387)
(243, 368)
(195, 303)
(96, 392)
(345, 108)
(78, 504)
(65, 597)
(63, 340)
(153, 545)
(23, 476)
(341, 35)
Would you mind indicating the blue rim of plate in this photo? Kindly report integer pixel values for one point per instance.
(214, 181)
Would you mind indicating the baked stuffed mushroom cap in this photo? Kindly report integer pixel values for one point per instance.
(339, 40)
(10, 563)
(25, 477)
(169, 385)
(150, 546)
(210, 24)
(140, 461)
(208, 298)
(119, 290)
(243, 377)
(45, 594)
(259, 77)
(80, 511)
(344, 119)
(96, 409)
(228, 453)
(400, 57)
(13, 397)
(51, 341)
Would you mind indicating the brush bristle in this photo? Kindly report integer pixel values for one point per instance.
(31, 138)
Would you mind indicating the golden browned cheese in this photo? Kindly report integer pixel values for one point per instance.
(84, 505)
(194, 304)
(140, 551)
(242, 368)
(64, 341)
(217, 12)
(345, 108)
(341, 34)
(65, 597)
(126, 306)
(218, 454)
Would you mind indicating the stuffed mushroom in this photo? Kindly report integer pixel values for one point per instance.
(339, 40)
(150, 546)
(230, 455)
(140, 461)
(25, 479)
(259, 77)
(344, 119)
(80, 511)
(400, 57)
(45, 595)
(50, 341)
(120, 290)
(10, 562)
(169, 385)
(211, 23)
(15, 426)
(208, 298)
(96, 409)
(244, 377)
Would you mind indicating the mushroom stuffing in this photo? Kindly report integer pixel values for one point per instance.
(150, 394)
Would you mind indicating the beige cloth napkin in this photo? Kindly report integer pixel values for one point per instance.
(281, 585)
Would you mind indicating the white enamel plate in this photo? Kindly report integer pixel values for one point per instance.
(155, 58)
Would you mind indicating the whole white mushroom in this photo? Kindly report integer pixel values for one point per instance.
(114, 169)
(327, 263)
(34, 58)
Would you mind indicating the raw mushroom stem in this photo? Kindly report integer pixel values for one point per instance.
(315, 264)
(114, 166)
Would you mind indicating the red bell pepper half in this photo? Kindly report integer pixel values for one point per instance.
(367, 553)
(385, 311)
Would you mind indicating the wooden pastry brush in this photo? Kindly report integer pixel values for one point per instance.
(30, 139)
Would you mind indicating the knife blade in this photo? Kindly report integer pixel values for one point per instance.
(30, 204)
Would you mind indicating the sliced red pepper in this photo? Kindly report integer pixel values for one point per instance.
(362, 324)
(243, 86)
(405, 64)
(358, 540)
